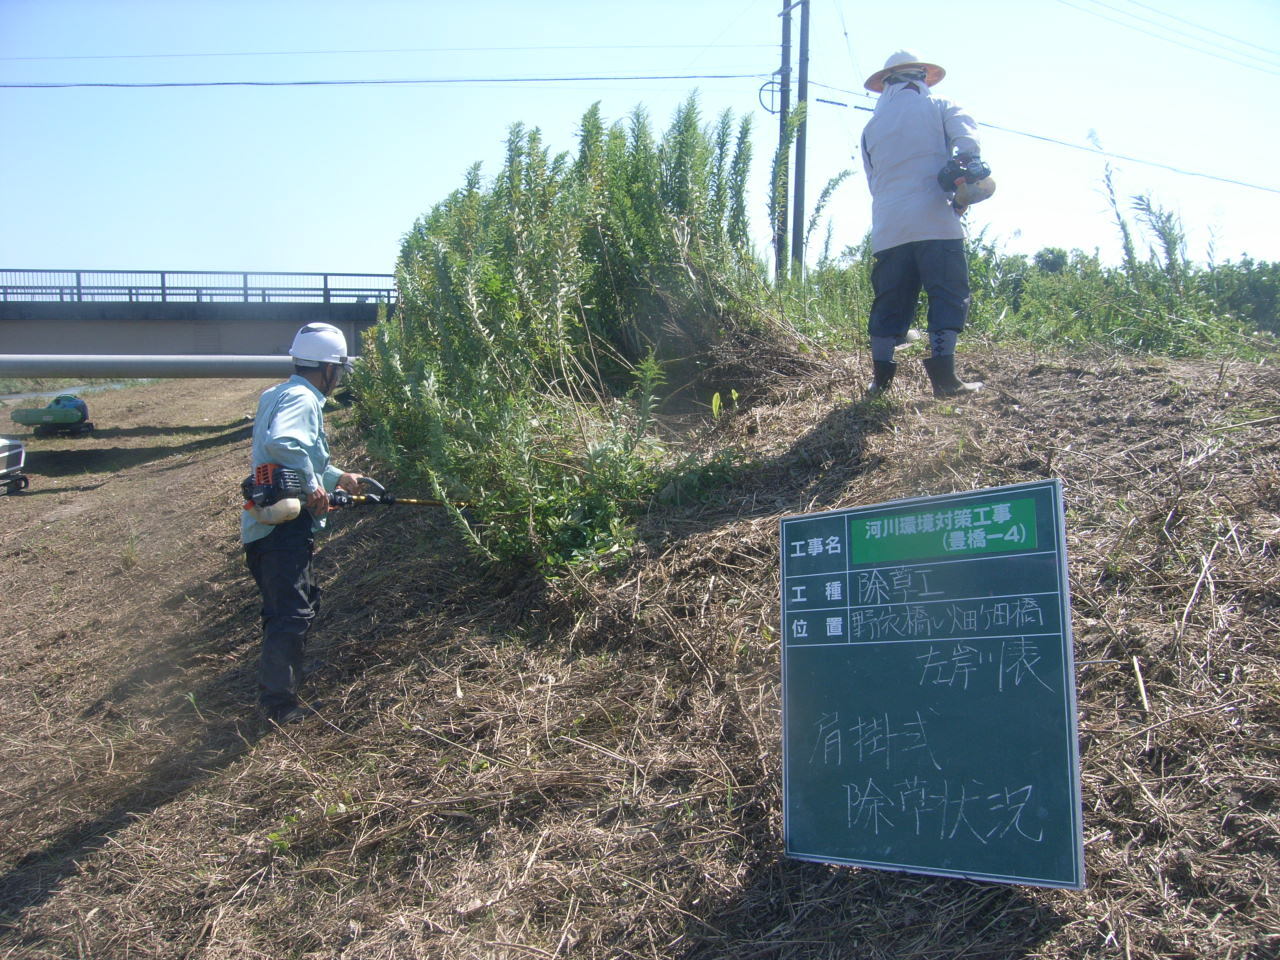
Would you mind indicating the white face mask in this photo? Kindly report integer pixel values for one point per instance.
(909, 87)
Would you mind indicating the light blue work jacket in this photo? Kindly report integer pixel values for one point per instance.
(289, 430)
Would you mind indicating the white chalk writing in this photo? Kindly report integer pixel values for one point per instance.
(947, 809)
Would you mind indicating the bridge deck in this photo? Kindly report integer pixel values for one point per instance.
(193, 286)
(51, 315)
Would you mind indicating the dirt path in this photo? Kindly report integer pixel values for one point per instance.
(120, 569)
(160, 451)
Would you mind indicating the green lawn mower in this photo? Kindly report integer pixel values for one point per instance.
(66, 416)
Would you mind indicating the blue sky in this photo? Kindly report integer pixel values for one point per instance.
(329, 178)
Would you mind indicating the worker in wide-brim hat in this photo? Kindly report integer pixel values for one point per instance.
(901, 62)
(917, 236)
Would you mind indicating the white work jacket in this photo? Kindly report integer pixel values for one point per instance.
(904, 145)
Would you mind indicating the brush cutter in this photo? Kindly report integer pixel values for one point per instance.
(967, 179)
(378, 495)
(274, 495)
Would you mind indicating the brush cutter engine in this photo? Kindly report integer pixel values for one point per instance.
(273, 494)
(968, 179)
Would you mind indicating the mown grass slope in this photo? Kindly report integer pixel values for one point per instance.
(513, 768)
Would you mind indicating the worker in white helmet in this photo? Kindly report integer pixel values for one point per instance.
(288, 432)
(917, 237)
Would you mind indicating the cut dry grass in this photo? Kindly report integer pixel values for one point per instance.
(508, 768)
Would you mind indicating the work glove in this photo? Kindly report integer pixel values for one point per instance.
(964, 167)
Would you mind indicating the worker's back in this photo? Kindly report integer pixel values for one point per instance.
(904, 145)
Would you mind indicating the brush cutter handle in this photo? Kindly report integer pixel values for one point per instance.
(343, 498)
(378, 495)
(965, 168)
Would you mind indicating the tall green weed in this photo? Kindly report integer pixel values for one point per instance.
(1160, 303)
(540, 311)
(538, 314)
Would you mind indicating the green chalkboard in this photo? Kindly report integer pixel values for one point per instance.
(929, 710)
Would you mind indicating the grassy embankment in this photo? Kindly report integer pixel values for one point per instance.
(551, 724)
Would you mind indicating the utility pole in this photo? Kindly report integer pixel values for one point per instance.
(802, 100)
(784, 158)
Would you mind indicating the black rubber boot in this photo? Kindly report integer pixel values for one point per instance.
(942, 374)
(884, 371)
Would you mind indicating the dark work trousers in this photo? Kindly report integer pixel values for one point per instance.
(939, 267)
(281, 564)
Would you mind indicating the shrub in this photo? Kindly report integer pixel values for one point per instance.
(539, 312)
(536, 317)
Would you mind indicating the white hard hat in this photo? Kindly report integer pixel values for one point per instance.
(904, 60)
(318, 343)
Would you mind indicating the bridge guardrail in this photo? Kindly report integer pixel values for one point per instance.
(194, 286)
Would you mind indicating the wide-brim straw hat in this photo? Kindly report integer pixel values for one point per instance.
(904, 60)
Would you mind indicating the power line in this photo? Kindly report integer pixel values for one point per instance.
(703, 48)
(604, 79)
(848, 44)
(1077, 146)
(853, 93)
(311, 53)
(853, 62)
(1121, 156)
(1230, 53)
(357, 83)
(1209, 53)
(1197, 26)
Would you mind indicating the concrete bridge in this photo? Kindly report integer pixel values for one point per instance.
(119, 323)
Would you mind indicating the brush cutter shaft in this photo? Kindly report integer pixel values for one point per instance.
(341, 498)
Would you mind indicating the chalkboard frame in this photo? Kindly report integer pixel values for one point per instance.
(1065, 867)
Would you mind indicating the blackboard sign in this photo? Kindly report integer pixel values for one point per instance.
(928, 684)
